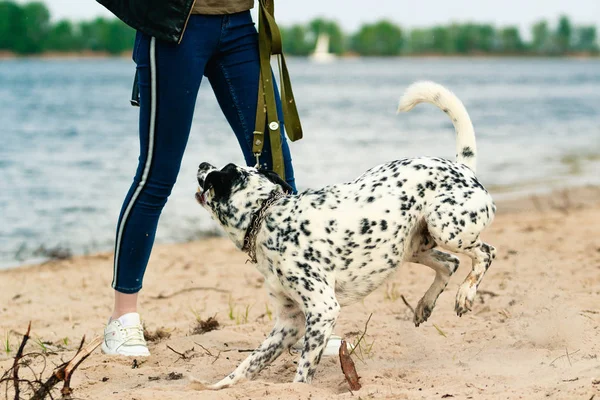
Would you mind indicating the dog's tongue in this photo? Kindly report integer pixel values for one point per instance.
(201, 196)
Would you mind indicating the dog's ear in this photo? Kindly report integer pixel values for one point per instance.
(217, 181)
(273, 177)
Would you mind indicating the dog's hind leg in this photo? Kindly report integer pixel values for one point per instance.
(444, 265)
(289, 327)
(455, 225)
(482, 255)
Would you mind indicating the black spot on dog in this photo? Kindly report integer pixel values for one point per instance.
(467, 152)
(303, 226)
(364, 226)
(384, 225)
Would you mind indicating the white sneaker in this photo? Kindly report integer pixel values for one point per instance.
(125, 336)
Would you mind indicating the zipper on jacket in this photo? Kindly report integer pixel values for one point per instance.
(186, 22)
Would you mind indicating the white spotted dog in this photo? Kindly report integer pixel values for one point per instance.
(326, 248)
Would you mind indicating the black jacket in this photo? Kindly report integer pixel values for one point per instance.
(163, 19)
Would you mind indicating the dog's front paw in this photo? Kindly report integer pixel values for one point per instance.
(464, 299)
(422, 312)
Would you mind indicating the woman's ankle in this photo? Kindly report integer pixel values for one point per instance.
(124, 304)
(119, 313)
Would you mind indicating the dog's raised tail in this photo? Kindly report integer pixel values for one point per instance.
(430, 92)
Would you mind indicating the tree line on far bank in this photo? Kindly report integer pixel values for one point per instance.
(28, 29)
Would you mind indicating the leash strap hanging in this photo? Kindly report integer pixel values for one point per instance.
(269, 43)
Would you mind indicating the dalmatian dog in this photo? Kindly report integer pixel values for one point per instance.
(327, 248)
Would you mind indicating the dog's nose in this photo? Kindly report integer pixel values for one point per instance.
(204, 166)
(203, 170)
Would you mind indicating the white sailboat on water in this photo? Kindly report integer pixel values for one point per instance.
(321, 53)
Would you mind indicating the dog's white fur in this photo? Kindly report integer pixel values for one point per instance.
(326, 248)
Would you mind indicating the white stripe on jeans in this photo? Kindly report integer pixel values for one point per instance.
(148, 164)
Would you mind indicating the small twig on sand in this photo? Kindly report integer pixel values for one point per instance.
(205, 349)
(17, 359)
(470, 385)
(209, 353)
(182, 356)
(176, 352)
(571, 380)
(348, 367)
(238, 350)
(361, 336)
(407, 303)
(192, 289)
(566, 355)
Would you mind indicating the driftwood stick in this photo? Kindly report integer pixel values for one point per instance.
(64, 371)
(80, 357)
(348, 367)
(45, 387)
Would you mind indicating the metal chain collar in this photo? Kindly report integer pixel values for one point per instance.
(255, 223)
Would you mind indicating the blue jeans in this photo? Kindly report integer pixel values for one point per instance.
(224, 48)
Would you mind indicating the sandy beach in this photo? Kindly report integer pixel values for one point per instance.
(534, 332)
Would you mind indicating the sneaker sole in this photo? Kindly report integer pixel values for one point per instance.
(108, 352)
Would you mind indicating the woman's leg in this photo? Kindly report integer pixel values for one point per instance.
(169, 79)
(233, 73)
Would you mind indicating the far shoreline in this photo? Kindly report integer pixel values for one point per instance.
(72, 55)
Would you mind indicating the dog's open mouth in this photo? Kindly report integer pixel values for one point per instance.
(202, 196)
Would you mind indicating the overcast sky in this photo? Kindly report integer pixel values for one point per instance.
(352, 13)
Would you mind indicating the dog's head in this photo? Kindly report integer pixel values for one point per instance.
(233, 193)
